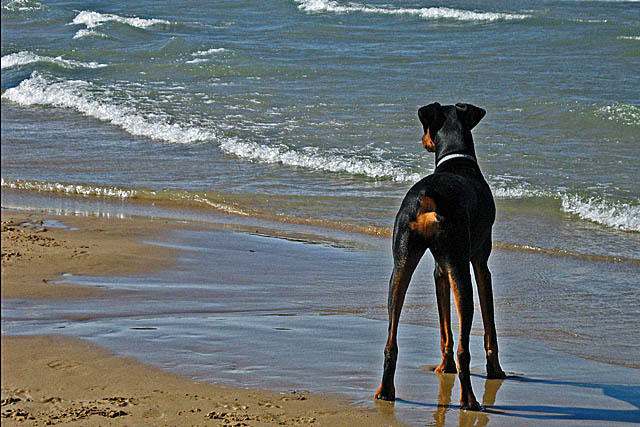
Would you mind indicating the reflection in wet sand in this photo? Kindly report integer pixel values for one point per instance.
(465, 418)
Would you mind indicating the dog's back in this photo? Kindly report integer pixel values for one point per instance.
(460, 199)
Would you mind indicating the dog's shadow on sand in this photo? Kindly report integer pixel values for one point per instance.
(626, 393)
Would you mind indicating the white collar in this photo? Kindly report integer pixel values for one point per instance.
(455, 156)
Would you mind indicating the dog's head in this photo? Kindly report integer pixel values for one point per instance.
(447, 128)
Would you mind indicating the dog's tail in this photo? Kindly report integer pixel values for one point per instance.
(427, 220)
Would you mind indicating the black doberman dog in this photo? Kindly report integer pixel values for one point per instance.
(451, 213)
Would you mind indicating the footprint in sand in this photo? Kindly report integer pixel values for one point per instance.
(269, 405)
(61, 364)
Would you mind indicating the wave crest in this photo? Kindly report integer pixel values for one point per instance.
(621, 216)
(26, 57)
(38, 90)
(316, 161)
(425, 12)
(74, 189)
(94, 19)
(22, 5)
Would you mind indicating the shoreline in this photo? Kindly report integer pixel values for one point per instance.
(54, 379)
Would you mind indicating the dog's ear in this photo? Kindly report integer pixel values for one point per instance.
(431, 117)
(469, 115)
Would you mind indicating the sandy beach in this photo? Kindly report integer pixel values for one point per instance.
(38, 249)
(56, 379)
(135, 320)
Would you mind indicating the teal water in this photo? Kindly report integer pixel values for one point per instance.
(305, 113)
(319, 98)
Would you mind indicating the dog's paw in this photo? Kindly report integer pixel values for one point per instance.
(470, 404)
(494, 371)
(493, 374)
(447, 366)
(385, 394)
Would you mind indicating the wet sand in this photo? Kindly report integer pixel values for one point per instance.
(56, 379)
(38, 249)
(49, 379)
(258, 311)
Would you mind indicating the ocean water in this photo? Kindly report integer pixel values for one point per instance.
(304, 112)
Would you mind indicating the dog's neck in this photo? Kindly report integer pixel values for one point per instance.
(456, 156)
(455, 148)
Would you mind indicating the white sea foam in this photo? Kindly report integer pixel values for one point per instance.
(591, 21)
(88, 33)
(220, 206)
(76, 189)
(196, 61)
(26, 57)
(619, 215)
(622, 113)
(628, 38)
(22, 5)
(517, 192)
(424, 12)
(39, 90)
(614, 214)
(317, 161)
(113, 192)
(94, 19)
(208, 51)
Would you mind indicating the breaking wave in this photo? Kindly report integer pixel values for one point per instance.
(74, 189)
(81, 96)
(182, 197)
(378, 169)
(92, 20)
(26, 57)
(75, 94)
(88, 33)
(618, 215)
(424, 12)
(208, 51)
(22, 5)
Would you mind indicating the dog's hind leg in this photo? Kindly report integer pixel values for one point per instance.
(405, 263)
(460, 281)
(443, 294)
(485, 294)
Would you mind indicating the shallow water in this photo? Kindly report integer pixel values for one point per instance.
(295, 315)
(576, 304)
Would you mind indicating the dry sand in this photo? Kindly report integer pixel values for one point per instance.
(53, 379)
